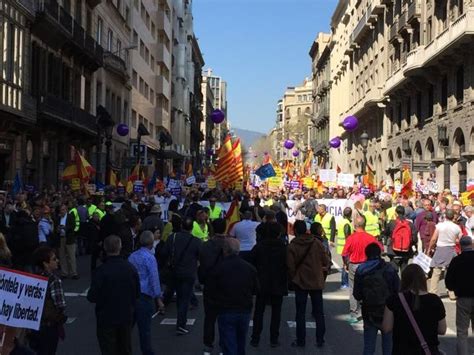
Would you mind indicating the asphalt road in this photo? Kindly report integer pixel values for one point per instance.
(341, 338)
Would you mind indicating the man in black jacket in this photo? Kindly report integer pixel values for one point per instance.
(183, 249)
(458, 279)
(210, 256)
(231, 289)
(115, 288)
(269, 257)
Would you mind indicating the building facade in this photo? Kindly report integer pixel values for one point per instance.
(207, 147)
(405, 70)
(219, 89)
(196, 101)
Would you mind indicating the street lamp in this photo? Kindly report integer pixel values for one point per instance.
(105, 124)
(364, 142)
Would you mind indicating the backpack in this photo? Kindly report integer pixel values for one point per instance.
(374, 295)
(401, 236)
(309, 209)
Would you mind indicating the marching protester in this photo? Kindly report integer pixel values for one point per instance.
(210, 256)
(414, 316)
(401, 239)
(45, 340)
(245, 232)
(353, 256)
(344, 230)
(5, 253)
(269, 258)
(328, 222)
(308, 265)
(116, 276)
(375, 281)
(445, 237)
(66, 225)
(372, 220)
(150, 291)
(232, 287)
(459, 271)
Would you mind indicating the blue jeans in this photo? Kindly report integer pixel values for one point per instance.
(233, 329)
(301, 297)
(184, 290)
(143, 312)
(344, 278)
(370, 339)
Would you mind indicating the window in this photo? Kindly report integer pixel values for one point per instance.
(78, 12)
(429, 30)
(147, 56)
(142, 12)
(460, 85)
(142, 86)
(430, 100)
(142, 49)
(127, 14)
(399, 116)
(152, 63)
(141, 119)
(135, 37)
(153, 30)
(134, 79)
(134, 119)
(125, 111)
(100, 25)
(107, 99)
(418, 109)
(146, 90)
(152, 96)
(98, 93)
(444, 93)
(110, 38)
(408, 108)
(118, 49)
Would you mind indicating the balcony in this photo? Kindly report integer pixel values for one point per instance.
(163, 86)
(371, 97)
(413, 61)
(164, 23)
(394, 36)
(321, 116)
(377, 7)
(414, 11)
(403, 25)
(56, 27)
(322, 87)
(63, 112)
(394, 81)
(162, 118)
(116, 65)
(163, 55)
(93, 3)
(363, 26)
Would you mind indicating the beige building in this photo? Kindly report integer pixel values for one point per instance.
(296, 110)
(207, 126)
(151, 71)
(404, 69)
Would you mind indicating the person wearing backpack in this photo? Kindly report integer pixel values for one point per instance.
(401, 236)
(375, 281)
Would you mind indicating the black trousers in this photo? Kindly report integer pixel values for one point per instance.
(45, 340)
(261, 301)
(115, 340)
(210, 319)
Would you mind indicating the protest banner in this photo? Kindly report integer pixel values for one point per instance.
(190, 180)
(424, 261)
(328, 175)
(22, 296)
(345, 180)
(138, 186)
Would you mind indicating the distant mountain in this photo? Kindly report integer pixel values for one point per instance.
(247, 137)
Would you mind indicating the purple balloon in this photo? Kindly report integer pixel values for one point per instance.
(289, 144)
(122, 129)
(335, 142)
(217, 116)
(296, 153)
(350, 123)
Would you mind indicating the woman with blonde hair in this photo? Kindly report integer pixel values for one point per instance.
(415, 316)
(5, 253)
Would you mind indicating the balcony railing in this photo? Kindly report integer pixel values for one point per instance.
(56, 27)
(164, 22)
(116, 65)
(402, 22)
(362, 25)
(414, 10)
(393, 31)
(64, 112)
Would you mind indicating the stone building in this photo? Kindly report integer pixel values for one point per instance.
(207, 126)
(404, 68)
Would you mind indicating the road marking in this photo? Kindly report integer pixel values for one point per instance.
(309, 325)
(77, 294)
(172, 321)
(337, 266)
(449, 331)
(335, 296)
(70, 320)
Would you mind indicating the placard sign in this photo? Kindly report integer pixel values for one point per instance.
(22, 298)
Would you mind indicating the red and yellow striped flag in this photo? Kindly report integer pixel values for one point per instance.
(232, 216)
(407, 183)
(237, 173)
(84, 169)
(306, 168)
(369, 178)
(225, 160)
(113, 181)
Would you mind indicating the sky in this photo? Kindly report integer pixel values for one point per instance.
(259, 47)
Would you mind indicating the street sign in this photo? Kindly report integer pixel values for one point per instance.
(134, 149)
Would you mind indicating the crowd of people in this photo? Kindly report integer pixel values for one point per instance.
(152, 259)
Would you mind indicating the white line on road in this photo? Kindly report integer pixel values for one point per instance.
(309, 325)
(70, 320)
(337, 266)
(77, 294)
(172, 321)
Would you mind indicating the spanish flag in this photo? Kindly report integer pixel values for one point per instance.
(369, 178)
(84, 169)
(407, 183)
(135, 175)
(232, 216)
(70, 172)
(113, 181)
(306, 170)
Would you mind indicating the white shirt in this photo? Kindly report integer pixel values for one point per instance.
(244, 231)
(63, 222)
(470, 225)
(447, 233)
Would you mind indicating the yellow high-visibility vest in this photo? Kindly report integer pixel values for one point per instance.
(77, 220)
(215, 213)
(325, 223)
(341, 236)
(372, 223)
(391, 214)
(200, 233)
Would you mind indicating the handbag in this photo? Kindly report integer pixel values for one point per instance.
(415, 326)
